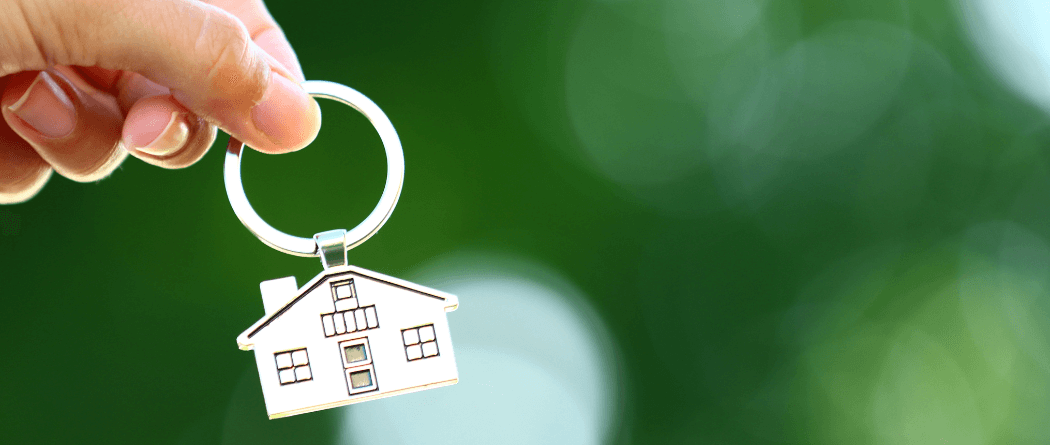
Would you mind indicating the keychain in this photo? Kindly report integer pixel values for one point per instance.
(348, 335)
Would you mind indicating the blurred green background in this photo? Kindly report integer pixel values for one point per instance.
(797, 221)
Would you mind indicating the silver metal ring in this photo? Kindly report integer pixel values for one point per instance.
(307, 247)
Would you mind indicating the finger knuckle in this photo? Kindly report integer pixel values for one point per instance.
(39, 34)
(20, 188)
(98, 170)
(267, 29)
(234, 69)
(22, 47)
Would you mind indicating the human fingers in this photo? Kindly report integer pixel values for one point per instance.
(77, 132)
(203, 53)
(264, 31)
(162, 132)
(157, 129)
(22, 171)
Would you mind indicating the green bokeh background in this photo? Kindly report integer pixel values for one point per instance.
(800, 221)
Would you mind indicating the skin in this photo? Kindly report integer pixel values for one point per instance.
(87, 82)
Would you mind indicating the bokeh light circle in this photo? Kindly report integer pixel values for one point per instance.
(1014, 38)
(806, 104)
(536, 365)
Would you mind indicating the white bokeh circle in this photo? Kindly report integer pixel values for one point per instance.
(535, 363)
(1014, 38)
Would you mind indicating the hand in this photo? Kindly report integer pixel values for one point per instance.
(85, 82)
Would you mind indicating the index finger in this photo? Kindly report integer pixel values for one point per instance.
(264, 31)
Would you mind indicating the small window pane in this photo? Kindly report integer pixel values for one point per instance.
(430, 349)
(426, 333)
(359, 315)
(351, 326)
(370, 317)
(329, 328)
(284, 360)
(343, 291)
(346, 304)
(361, 379)
(355, 353)
(411, 337)
(414, 352)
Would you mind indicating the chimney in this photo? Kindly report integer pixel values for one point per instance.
(275, 293)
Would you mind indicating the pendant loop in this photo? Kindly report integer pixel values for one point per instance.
(332, 246)
(306, 247)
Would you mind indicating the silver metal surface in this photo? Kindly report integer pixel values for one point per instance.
(395, 174)
(349, 335)
(332, 247)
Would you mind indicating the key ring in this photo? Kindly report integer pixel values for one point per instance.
(309, 247)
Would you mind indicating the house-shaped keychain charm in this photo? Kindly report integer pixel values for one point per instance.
(349, 335)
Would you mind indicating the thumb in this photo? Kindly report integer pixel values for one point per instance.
(202, 53)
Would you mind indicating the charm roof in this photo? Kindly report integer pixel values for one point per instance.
(244, 340)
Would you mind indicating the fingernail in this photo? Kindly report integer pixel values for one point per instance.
(279, 115)
(160, 138)
(46, 107)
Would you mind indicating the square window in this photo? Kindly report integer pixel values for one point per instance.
(293, 366)
(343, 289)
(355, 353)
(420, 342)
(361, 379)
